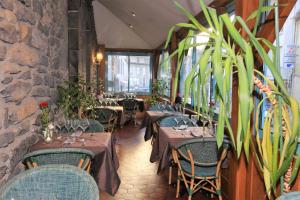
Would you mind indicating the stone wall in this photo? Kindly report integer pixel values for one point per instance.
(33, 61)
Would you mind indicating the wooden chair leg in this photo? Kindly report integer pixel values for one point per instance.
(191, 189)
(80, 163)
(178, 184)
(170, 175)
(89, 168)
(218, 184)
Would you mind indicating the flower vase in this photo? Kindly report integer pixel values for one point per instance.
(47, 135)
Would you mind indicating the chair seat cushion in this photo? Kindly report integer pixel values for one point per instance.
(199, 171)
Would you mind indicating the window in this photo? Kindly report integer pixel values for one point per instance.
(193, 55)
(164, 73)
(128, 72)
(289, 39)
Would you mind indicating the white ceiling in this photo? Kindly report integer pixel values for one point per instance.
(153, 20)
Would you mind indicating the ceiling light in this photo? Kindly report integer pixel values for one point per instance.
(130, 26)
(133, 14)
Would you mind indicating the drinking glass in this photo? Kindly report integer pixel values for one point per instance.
(84, 124)
(68, 125)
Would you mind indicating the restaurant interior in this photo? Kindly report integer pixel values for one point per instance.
(149, 100)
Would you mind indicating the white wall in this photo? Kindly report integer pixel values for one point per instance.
(113, 33)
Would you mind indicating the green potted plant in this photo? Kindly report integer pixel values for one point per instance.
(158, 89)
(76, 99)
(230, 53)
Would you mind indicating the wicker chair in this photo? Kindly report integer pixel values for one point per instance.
(130, 107)
(53, 182)
(70, 156)
(155, 107)
(107, 117)
(290, 196)
(173, 121)
(94, 127)
(199, 165)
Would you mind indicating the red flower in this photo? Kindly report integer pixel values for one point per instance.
(43, 104)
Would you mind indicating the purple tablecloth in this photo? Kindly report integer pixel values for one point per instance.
(104, 165)
(169, 138)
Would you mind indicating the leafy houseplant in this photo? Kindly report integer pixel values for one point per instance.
(76, 99)
(158, 89)
(230, 53)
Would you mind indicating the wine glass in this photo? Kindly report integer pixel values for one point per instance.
(84, 124)
(68, 125)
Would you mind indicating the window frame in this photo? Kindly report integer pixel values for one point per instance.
(129, 54)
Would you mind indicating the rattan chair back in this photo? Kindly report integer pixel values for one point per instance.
(70, 156)
(52, 182)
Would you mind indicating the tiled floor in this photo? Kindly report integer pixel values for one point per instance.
(139, 180)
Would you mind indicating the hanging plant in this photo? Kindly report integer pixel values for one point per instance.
(231, 53)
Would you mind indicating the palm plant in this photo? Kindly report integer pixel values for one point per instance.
(231, 54)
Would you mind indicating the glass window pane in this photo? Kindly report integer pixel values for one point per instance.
(164, 73)
(128, 73)
(117, 73)
(139, 74)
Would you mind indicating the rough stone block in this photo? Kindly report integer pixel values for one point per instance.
(24, 14)
(26, 109)
(22, 54)
(2, 51)
(3, 170)
(37, 7)
(7, 80)
(10, 68)
(44, 29)
(8, 16)
(20, 149)
(23, 128)
(8, 32)
(25, 32)
(38, 40)
(3, 157)
(41, 69)
(44, 60)
(7, 4)
(5, 118)
(51, 82)
(25, 75)
(40, 92)
(16, 92)
(6, 138)
(37, 79)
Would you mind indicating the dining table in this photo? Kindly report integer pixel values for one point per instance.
(105, 163)
(150, 118)
(169, 137)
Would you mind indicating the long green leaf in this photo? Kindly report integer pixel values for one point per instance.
(244, 95)
(191, 18)
(235, 35)
(264, 56)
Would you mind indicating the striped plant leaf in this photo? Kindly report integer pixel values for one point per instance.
(233, 54)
